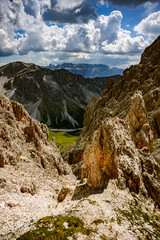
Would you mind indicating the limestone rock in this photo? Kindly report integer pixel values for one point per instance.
(112, 154)
(29, 188)
(137, 119)
(21, 137)
(120, 149)
(79, 170)
(115, 100)
(63, 193)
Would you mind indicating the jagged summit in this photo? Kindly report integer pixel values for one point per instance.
(116, 98)
(151, 53)
(113, 153)
(88, 70)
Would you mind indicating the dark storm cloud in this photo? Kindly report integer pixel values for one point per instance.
(80, 14)
(130, 2)
(6, 53)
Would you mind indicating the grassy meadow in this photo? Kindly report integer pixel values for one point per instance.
(63, 139)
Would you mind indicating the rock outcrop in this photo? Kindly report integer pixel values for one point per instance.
(115, 100)
(120, 149)
(137, 119)
(57, 98)
(23, 138)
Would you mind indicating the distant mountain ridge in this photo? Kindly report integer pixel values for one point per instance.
(57, 98)
(88, 70)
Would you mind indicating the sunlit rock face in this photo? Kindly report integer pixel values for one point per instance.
(115, 101)
(137, 119)
(113, 153)
(22, 137)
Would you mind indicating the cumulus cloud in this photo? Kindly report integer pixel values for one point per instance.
(79, 13)
(7, 47)
(32, 7)
(24, 31)
(109, 26)
(149, 26)
(125, 44)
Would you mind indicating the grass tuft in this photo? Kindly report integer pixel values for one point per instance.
(54, 228)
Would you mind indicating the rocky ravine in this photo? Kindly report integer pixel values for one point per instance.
(113, 202)
(57, 98)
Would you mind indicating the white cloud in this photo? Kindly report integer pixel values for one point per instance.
(149, 26)
(125, 44)
(150, 7)
(67, 4)
(7, 47)
(109, 25)
(44, 61)
(23, 32)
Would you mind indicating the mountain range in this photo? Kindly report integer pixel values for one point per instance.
(57, 98)
(88, 70)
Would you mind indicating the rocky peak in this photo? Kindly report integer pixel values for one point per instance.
(151, 54)
(115, 101)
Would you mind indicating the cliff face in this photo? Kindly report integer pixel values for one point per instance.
(57, 98)
(120, 149)
(24, 139)
(115, 100)
(121, 128)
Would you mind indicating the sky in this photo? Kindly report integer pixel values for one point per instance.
(112, 32)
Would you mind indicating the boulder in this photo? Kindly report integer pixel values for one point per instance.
(63, 193)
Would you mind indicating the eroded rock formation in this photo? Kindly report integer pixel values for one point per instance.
(115, 100)
(137, 119)
(113, 153)
(22, 138)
